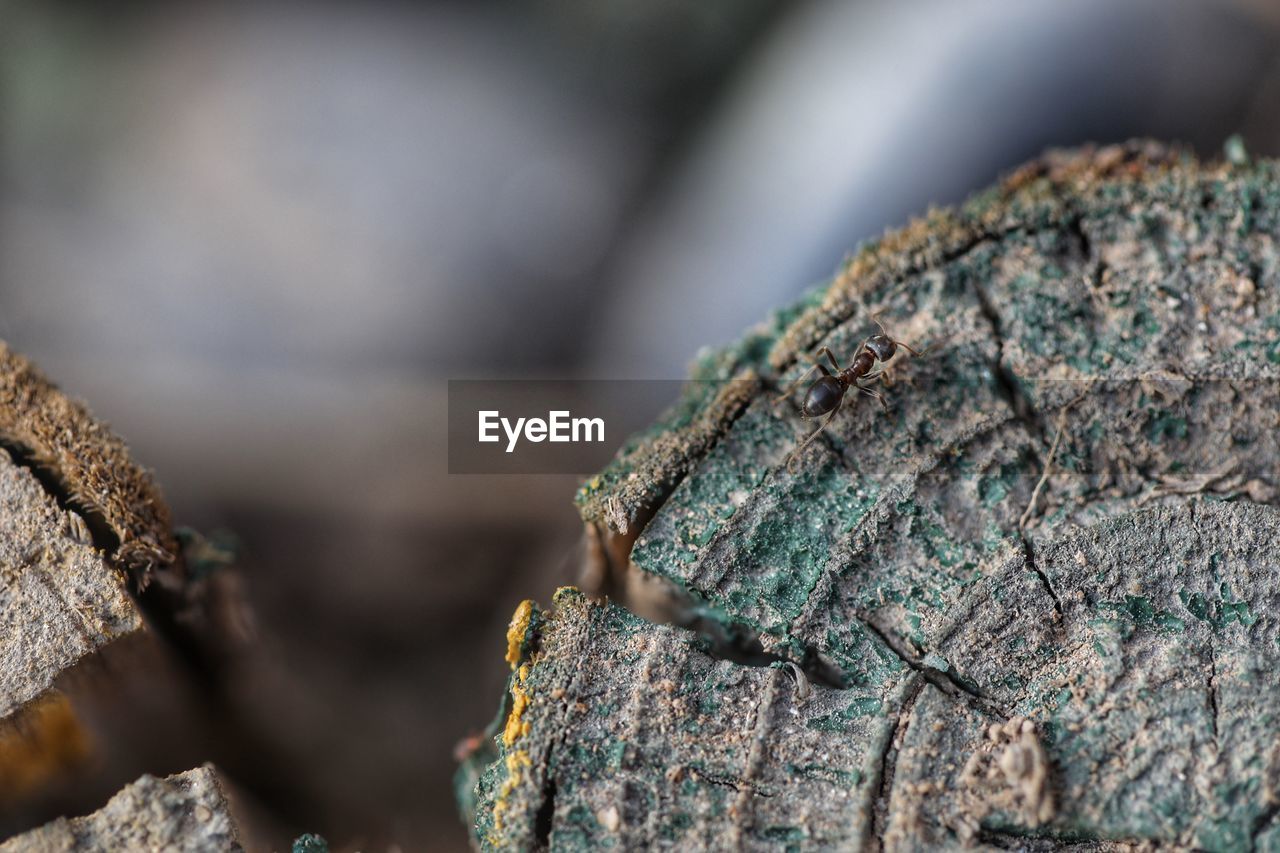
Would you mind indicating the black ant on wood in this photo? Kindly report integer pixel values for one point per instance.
(827, 393)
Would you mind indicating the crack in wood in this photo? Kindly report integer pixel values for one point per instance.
(1029, 551)
(1006, 381)
(887, 764)
(1213, 691)
(946, 682)
(103, 537)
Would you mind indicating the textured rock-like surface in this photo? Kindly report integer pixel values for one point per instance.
(184, 812)
(1038, 595)
(59, 600)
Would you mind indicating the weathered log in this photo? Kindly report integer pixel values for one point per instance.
(87, 468)
(1035, 605)
(79, 524)
(184, 812)
(94, 600)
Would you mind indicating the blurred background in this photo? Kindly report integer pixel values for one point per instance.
(259, 237)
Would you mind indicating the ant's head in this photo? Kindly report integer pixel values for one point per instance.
(882, 347)
(823, 397)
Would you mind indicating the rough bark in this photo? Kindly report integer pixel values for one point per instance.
(92, 589)
(79, 523)
(70, 498)
(1036, 605)
(184, 812)
(88, 468)
(59, 598)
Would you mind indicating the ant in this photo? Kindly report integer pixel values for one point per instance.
(827, 392)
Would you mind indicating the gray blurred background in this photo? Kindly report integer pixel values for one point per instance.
(259, 238)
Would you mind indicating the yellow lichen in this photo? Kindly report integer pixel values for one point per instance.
(515, 632)
(521, 698)
(516, 762)
(516, 727)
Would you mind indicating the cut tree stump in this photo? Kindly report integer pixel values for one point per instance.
(1036, 605)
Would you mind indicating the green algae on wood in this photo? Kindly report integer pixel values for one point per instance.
(628, 750)
(1036, 599)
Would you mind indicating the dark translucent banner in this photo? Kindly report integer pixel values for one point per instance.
(548, 426)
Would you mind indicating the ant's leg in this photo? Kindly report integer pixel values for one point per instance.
(882, 372)
(835, 365)
(871, 392)
(803, 376)
(795, 454)
(879, 370)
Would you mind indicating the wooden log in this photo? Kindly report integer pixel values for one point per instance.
(184, 812)
(1035, 605)
(94, 601)
(59, 597)
(82, 527)
(88, 469)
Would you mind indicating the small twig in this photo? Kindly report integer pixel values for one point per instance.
(1048, 463)
(1200, 482)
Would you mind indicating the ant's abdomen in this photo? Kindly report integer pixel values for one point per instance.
(824, 395)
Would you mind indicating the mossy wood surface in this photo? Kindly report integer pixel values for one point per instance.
(1035, 605)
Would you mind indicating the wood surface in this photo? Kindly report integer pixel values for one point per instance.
(94, 607)
(1036, 605)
